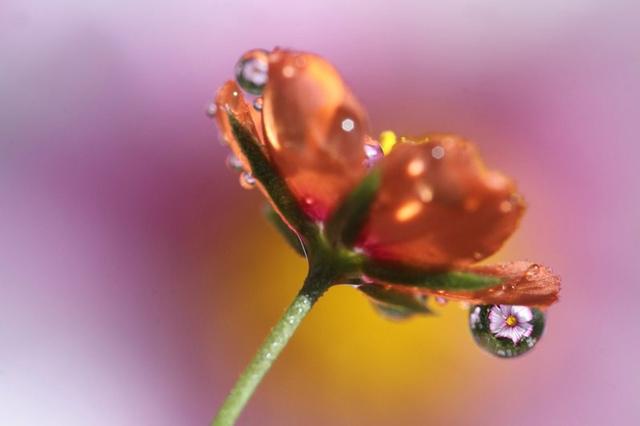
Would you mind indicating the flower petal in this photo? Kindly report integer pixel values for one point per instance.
(522, 313)
(523, 283)
(439, 206)
(229, 99)
(315, 130)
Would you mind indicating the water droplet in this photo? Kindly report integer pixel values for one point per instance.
(258, 103)
(247, 181)
(506, 331)
(425, 193)
(441, 300)
(532, 271)
(211, 110)
(233, 163)
(437, 152)
(348, 125)
(477, 255)
(372, 152)
(392, 312)
(506, 206)
(252, 71)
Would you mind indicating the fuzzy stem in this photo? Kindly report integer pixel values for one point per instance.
(315, 285)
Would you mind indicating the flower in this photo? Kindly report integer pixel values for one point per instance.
(410, 215)
(511, 322)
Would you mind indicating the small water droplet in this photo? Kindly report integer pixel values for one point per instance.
(441, 300)
(477, 255)
(247, 181)
(233, 163)
(506, 206)
(211, 110)
(252, 71)
(532, 271)
(437, 152)
(258, 103)
(348, 125)
(506, 331)
(392, 312)
(372, 152)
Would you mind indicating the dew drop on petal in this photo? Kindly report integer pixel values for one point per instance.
(532, 271)
(233, 163)
(252, 71)
(258, 103)
(497, 330)
(441, 300)
(348, 125)
(392, 312)
(372, 152)
(437, 152)
(211, 110)
(506, 206)
(247, 181)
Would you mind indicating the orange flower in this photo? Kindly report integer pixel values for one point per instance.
(414, 221)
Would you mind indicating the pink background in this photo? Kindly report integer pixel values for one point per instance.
(137, 278)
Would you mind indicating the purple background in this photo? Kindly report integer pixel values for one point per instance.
(137, 278)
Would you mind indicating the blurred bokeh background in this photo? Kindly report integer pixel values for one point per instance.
(137, 278)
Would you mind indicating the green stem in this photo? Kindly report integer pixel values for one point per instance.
(315, 285)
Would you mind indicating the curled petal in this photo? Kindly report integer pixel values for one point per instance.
(229, 99)
(523, 283)
(438, 205)
(315, 130)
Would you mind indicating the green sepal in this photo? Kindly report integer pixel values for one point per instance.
(283, 229)
(346, 222)
(395, 303)
(264, 171)
(393, 273)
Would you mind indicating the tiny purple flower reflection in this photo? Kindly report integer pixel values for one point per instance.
(511, 322)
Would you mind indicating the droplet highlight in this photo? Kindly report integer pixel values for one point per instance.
(506, 331)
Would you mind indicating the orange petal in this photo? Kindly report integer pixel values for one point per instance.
(314, 129)
(229, 98)
(438, 205)
(524, 283)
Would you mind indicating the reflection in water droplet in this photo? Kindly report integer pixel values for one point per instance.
(212, 108)
(247, 181)
(257, 104)
(372, 152)
(252, 71)
(506, 331)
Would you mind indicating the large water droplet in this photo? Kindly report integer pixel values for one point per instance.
(372, 152)
(506, 331)
(247, 181)
(252, 71)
